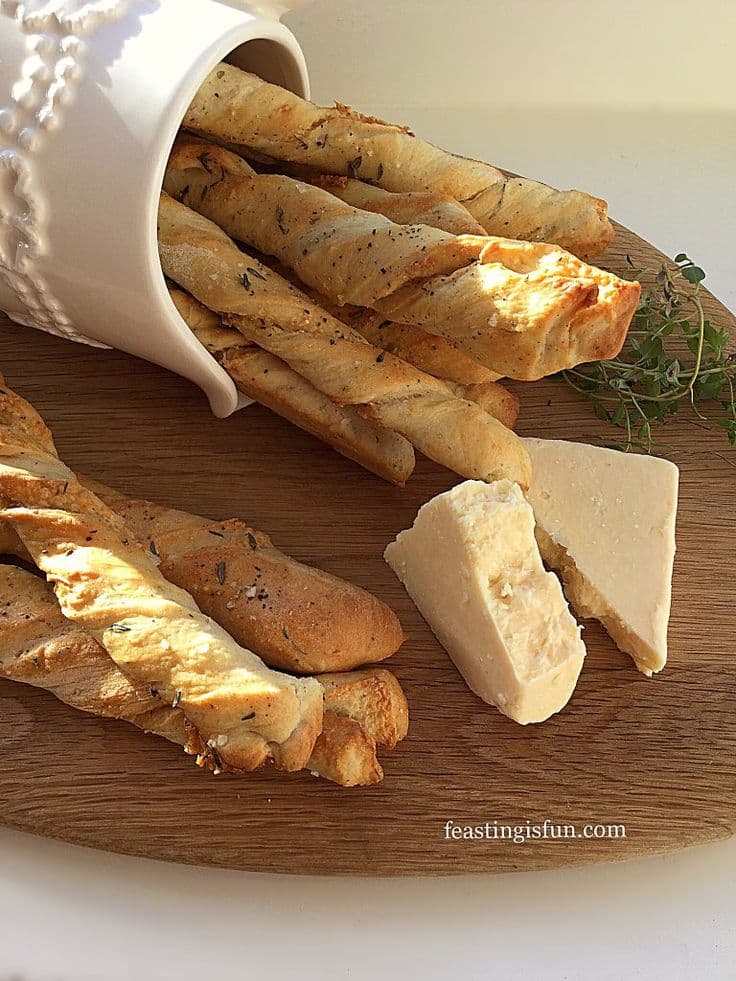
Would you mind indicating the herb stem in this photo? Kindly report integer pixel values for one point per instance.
(649, 380)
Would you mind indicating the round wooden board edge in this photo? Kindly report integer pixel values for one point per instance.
(459, 865)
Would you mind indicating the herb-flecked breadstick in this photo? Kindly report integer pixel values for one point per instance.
(273, 383)
(40, 647)
(244, 713)
(523, 310)
(293, 616)
(266, 309)
(236, 107)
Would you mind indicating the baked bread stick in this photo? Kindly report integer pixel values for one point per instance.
(294, 617)
(244, 713)
(273, 383)
(233, 106)
(522, 310)
(407, 208)
(270, 381)
(40, 647)
(436, 355)
(339, 362)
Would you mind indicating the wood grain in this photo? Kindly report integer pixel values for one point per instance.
(656, 755)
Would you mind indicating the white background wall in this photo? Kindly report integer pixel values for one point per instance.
(632, 101)
(446, 53)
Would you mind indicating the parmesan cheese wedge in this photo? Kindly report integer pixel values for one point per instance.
(606, 523)
(472, 566)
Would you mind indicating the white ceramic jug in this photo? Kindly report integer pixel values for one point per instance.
(92, 93)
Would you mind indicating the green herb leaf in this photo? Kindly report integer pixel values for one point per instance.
(693, 274)
(653, 376)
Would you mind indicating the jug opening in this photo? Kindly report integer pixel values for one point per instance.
(271, 61)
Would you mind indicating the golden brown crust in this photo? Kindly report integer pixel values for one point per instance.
(235, 107)
(522, 310)
(338, 361)
(39, 647)
(494, 398)
(345, 752)
(105, 582)
(407, 208)
(295, 617)
(273, 383)
(374, 698)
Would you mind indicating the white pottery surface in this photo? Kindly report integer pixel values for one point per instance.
(91, 95)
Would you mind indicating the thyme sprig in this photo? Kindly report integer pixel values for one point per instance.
(673, 357)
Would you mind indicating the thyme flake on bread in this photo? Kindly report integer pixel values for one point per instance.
(674, 358)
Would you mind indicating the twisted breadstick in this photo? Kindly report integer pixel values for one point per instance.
(40, 647)
(233, 106)
(407, 208)
(523, 310)
(244, 713)
(339, 362)
(436, 355)
(273, 383)
(295, 617)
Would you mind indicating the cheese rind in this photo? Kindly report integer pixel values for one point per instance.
(606, 523)
(471, 564)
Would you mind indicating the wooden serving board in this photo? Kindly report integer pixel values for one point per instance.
(658, 756)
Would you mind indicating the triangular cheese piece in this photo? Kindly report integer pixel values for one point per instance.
(473, 568)
(606, 523)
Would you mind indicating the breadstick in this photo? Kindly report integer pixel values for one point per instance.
(436, 355)
(40, 647)
(407, 208)
(523, 310)
(266, 309)
(412, 207)
(244, 713)
(294, 617)
(233, 106)
(272, 382)
(373, 697)
(297, 618)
